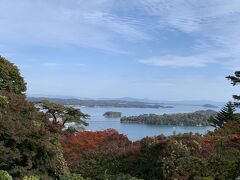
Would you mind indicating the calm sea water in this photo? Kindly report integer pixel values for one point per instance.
(98, 122)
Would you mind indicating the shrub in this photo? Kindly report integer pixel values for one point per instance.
(4, 175)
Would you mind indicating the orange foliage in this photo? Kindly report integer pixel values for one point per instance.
(107, 141)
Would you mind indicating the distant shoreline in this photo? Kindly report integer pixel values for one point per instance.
(102, 103)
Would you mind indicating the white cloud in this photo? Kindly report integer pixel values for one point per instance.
(176, 61)
(194, 61)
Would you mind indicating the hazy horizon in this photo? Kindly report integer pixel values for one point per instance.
(119, 98)
(154, 49)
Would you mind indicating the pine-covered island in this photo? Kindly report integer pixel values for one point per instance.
(198, 118)
(112, 114)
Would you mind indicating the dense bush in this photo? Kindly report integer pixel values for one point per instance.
(4, 175)
(26, 144)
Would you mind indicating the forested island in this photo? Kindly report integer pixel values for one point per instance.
(111, 114)
(198, 118)
(101, 103)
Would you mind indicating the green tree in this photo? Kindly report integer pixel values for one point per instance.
(61, 114)
(235, 80)
(10, 77)
(226, 114)
(74, 115)
(27, 144)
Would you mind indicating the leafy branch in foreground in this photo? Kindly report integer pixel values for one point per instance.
(235, 79)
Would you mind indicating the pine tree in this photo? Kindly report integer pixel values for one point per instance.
(225, 115)
(235, 79)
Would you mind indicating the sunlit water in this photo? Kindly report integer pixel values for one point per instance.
(136, 131)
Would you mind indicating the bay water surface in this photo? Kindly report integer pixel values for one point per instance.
(97, 122)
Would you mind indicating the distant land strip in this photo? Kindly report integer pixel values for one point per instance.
(101, 103)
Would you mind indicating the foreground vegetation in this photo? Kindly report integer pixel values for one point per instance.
(213, 156)
(36, 145)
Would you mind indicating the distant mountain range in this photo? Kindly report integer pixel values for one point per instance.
(124, 100)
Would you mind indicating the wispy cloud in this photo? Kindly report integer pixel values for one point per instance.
(194, 61)
(88, 24)
(212, 24)
(176, 61)
(110, 24)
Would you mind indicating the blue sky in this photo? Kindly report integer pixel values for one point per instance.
(158, 49)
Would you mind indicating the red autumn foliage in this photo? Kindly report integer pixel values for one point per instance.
(207, 141)
(235, 139)
(108, 141)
